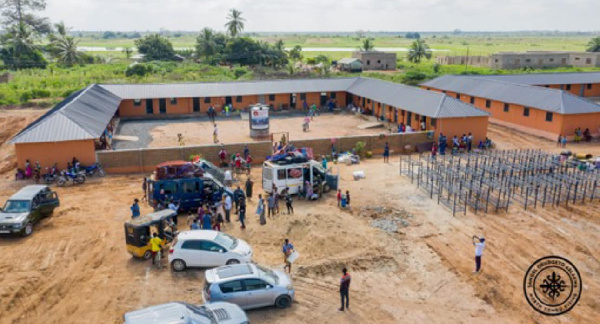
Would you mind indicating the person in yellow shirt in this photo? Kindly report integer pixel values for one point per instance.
(155, 243)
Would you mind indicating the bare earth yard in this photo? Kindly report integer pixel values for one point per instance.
(75, 268)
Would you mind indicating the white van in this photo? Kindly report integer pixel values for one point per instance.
(294, 176)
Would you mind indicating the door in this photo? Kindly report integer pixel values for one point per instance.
(228, 101)
(149, 106)
(293, 100)
(234, 292)
(214, 255)
(294, 179)
(190, 193)
(162, 106)
(257, 293)
(408, 118)
(191, 252)
(323, 99)
(267, 176)
(196, 104)
(261, 99)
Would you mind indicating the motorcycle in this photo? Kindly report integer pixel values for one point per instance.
(51, 175)
(93, 169)
(76, 178)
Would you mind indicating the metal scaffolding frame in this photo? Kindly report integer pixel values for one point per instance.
(496, 179)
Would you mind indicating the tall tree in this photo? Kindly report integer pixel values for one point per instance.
(206, 44)
(367, 45)
(63, 47)
(235, 22)
(594, 45)
(419, 50)
(155, 48)
(15, 12)
(296, 53)
(18, 49)
(279, 45)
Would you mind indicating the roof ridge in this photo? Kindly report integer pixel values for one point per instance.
(61, 111)
(440, 104)
(228, 81)
(510, 83)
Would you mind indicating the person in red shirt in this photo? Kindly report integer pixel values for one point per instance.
(339, 197)
(434, 150)
(238, 164)
(345, 289)
(248, 163)
(223, 156)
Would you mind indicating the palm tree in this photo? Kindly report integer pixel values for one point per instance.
(279, 45)
(66, 51)
(20, 38)
(367, 45)
(594, 45)
(205, 43)
(235, 23)
(419, 50)
(128, 51)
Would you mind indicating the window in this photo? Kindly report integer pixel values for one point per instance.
(588, 61)
(416, 117)
(547, 86)
(295, 173)
(378, 61)
(272, 97)
(527, 60)
(488, 103)
(255, 284)
(549, 116)
(211, 247)
(173, 101)
(231, 287)
(281, 174)
(192, 245)
(428, 88)
(577, 59)
(332, 95)
(190, 187)
(472, 100)
(238, 99)
(207, 100)
(551, 60)
(443, 91)
(458, 96)
(168, 187)
(368, 62)
(433, 122)
(568, 87)
(526, 111)
(137, 102)
(303, 96)
(506, 107)
(496, 60)
(589, 86)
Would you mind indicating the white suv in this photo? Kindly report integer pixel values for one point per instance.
(206, 248)
(184, 313)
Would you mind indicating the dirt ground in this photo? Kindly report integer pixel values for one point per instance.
(75, 268)
(237, 131)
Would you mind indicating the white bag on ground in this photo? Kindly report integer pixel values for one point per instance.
(358, 174)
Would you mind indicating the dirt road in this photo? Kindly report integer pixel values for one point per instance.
(75, 268)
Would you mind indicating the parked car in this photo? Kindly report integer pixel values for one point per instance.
(206, 248)
(248, 286)
(27, 207)
(184, 313)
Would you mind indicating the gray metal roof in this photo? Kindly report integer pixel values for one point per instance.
(546, 78)
(348, 60)
(83, 115)
(419, 101)
(552, 100)
(221, 89)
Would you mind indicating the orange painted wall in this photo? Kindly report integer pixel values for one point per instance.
(246, 102)
(458, 126)
(61, 152)
(576, 89)
(571, 122)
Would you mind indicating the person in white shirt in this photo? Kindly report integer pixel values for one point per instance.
(227, 206)
(409, 129)
(423, 125)
(228, 178)
(479, 244)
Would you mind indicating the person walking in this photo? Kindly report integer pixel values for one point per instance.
(145, 189)
(260, 210)
(324, 162)
(276, 197)
(211, 114)
(195, 225)
(559, 141)
(227, 205)
(434, 150)
(242, 213)
(469, 142)
(386, 153)
(348, 198)
(288, 202)
(564, 142)
(479, 244)
(155, 247)
(215, 134)
(238, 195)
(249, 184)
(248, 164)
(217, 220)
(246, 151)
(345, 289)
(339, 197)
(226, 110)
(135, 209)
(287, 250)
(271, 202)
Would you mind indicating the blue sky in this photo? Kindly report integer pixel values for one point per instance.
(330, 15)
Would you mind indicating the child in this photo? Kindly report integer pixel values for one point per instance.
(348, 198)
(339, 197)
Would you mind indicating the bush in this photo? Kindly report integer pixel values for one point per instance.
(369, 154)
(311, 60)
(140, 70)
(69, 92)
(359, 149)
(436, 68)
(239, 72)
(40, 93)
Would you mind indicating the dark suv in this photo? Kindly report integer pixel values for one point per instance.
(26, 208)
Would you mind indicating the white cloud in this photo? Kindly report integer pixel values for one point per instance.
(329, 15)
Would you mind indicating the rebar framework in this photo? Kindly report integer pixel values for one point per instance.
(497, 179)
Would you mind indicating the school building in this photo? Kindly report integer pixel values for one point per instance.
(546, 105)
(73, 127)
